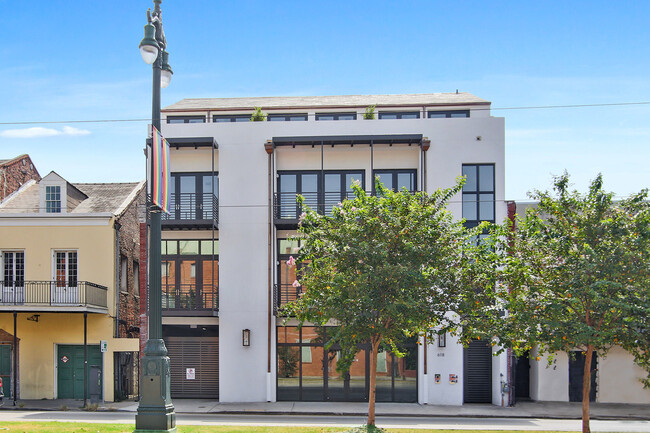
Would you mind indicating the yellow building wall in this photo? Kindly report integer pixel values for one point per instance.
(95, 246)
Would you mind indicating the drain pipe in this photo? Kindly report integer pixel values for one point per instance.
(117, 226)
(268, 146)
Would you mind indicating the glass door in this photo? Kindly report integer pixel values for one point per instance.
(187, 289)
(65, 290)
(13, 287)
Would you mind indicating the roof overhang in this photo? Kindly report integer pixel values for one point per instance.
(348, 140)
(194, 142)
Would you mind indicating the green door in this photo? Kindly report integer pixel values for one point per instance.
(70, 362)
(5, 368)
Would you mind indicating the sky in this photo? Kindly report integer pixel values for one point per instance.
(65, 65)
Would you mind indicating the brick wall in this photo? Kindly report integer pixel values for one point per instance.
(130, 246)
(14, 173)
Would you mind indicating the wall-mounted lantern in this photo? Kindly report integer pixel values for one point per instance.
(246, 337)
(442, 340)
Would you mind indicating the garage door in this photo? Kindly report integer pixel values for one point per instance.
(194, 366)
(478, 372)
(70, 370)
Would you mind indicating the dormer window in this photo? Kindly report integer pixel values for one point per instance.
(53, 199)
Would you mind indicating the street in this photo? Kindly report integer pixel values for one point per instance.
(459, 423)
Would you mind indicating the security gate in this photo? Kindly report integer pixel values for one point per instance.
(477, 367)
(194, 366)
(70, 366)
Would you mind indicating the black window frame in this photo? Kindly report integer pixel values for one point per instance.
(477, 192)
(287, 117)
(185, 119)
(448, 114)
(225, 118)
(395, 172)
(336, 116)
(175, 198)
(398, 115)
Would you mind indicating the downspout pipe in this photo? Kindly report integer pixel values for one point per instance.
(268, 147)
(117, 226)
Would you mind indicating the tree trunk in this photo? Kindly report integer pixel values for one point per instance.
(374, 348)
(586, 388)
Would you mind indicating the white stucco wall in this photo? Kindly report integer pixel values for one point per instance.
(242, 164)
(619, 379)
(549, 382)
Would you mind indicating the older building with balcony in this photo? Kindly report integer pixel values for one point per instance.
(69, 255)
(225, 273)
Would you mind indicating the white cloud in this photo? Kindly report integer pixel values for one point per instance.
(38, 132)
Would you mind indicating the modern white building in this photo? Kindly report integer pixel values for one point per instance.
(234, 184)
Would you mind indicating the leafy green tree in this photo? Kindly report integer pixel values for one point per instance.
(369, 114)
(577, 268)
(383, 267)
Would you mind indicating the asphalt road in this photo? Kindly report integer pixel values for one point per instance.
(459, 423)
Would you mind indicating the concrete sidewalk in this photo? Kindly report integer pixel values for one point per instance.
(559, 410)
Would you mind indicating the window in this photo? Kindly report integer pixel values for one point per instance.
(124, 267)
(478, 193)
(193, 196)
(66, 268)
(336, 116)
(13, 268)
(396, 180)
(286, 275)
(220, 118)
(189, 275)
(53, 199)
(185, 119)
(399, 114)
(447, 114)
(321, 190)
(287, 117)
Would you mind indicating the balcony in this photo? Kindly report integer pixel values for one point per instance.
(52, 296)
(191, 210)
(286, 211)
(190, 300)
(284, 294)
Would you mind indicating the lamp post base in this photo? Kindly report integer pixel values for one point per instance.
(155, 411)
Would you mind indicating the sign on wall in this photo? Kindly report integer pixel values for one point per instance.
(190, 373)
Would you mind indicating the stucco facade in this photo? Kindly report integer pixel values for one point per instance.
(61, 270)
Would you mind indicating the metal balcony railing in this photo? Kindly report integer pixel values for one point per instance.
(283, 294)
(192, 208)
(190, 297)
(53, 293)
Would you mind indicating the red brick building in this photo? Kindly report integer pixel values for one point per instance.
(14, 173)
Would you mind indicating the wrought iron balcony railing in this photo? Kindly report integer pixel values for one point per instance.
(190, 297)
(283, 294)
(192, 209)
(53, 293)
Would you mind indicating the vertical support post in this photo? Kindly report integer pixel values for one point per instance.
(85, 357)
(15, 360)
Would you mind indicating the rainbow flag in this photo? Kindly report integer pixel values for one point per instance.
(160, 171)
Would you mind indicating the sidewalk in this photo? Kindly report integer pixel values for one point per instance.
(559, 410)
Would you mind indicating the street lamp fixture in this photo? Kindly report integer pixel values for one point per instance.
(155, 409)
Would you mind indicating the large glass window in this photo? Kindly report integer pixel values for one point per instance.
(478, 193)
(185, 119)
(13, 268)
(66, 268)
(307, 372)
(447, 114)
(321, 190)
(399, 114)
(220, 118)
(336, 116)
(294, 117)
(193, 196)
(190, 274)
(396, 180)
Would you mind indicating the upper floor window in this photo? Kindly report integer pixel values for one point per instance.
(185, 119)
(53, 199)
(399, 114)
(396, 180)
(287, 117)
(478, 193)
(219, 118)
(66, 269)
(13, 263)
(193, 196)
(447, 114)
(336, 116)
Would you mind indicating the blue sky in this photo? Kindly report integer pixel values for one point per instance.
(78, 60)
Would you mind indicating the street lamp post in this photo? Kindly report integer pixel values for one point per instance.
(155, 410)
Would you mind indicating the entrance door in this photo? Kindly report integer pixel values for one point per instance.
(13, 284)
(577, 373)
(65, 291)
(70, 366)
(522, 377)
(5, 368)
(477, 370)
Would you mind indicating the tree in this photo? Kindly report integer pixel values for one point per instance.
(258, 115)
(369, 114)
(382, 267)
(577, 268)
